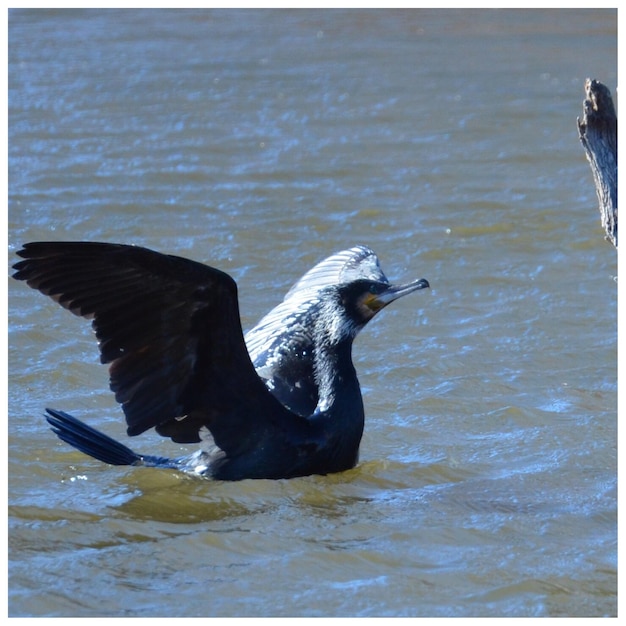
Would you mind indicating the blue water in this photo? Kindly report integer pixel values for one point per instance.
(260, 142)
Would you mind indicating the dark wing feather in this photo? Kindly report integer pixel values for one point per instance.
(170, 328)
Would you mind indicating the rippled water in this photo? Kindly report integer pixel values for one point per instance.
(260, 142)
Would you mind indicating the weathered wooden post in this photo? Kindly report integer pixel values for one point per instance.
(598, 135)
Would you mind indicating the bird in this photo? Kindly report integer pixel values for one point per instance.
(281, 343)
(283, 401)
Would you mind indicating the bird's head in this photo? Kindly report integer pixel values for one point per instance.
(362, 299)
(350, 306)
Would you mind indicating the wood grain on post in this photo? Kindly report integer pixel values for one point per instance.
(598, 135)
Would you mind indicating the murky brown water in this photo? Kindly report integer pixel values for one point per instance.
(260, 142)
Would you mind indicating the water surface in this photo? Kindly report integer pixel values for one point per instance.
(260, 142)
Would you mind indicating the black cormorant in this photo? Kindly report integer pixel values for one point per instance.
(171, 331)
(281, 345)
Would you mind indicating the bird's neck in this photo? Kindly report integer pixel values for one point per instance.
(339, 414)
(333, 370)
(338, 385)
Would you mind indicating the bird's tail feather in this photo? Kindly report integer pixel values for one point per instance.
(97, 444)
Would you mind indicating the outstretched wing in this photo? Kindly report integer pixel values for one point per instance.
(171, 331)
(359, 262)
